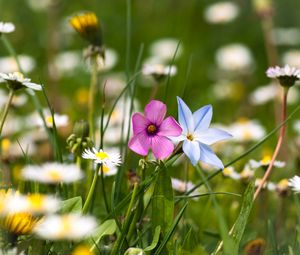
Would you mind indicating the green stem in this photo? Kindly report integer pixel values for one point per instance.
(103, 190)
(5, 112)
(87, 202)
(92, 93)
(75, 185)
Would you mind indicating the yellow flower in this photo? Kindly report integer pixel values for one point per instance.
(88, 26)
(82, 250)
(19, 223)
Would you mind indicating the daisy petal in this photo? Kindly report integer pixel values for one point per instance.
(212, 135)
(169, 127)
(139, 123)
(140, 143)
(185, 116)
(209, 157)
(32, 85)
(155, 111)
(192, 150)
(202, 118)
(162, 147)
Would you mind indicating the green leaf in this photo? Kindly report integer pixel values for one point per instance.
(163, 202)
(155, 239)
(73, 205)
(241, 222)
(272, 238)
(108, 227)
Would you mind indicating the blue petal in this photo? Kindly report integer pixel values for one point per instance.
(209, 157)
(185, 116)
(191, 150)
(202, 117)
(212, 135)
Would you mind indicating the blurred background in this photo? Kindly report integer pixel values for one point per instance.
(219, 51)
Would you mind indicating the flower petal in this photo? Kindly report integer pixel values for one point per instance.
(162, 147)
(192, 150)
(185, 116)
(140, 143)
(155, 111)
(32, 85)
(209, 157)
(139, 123)
(202, 117)
(169, 127)
(212, 135)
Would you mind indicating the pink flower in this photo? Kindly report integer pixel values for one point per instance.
(152, 131)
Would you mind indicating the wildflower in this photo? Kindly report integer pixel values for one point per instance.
(182, 187)
(82, 250)
(245, 130)
(108, 170)
(197, 136)
(6, 27)
(234, 57)
(152, 131)
(271, 186)
(286, 36)
(61, 120)
(10, 65)
(65, 227)
(294, 183)
(282, 187)
(165, 49)
(102, 157)
(52, 173)
(247, 173)
(88, 26)
(19, 223)
(286, 75)
(230, 172)
(159, 71)
(222, 12)
(291, 58)
(17, 81)
(264, 162)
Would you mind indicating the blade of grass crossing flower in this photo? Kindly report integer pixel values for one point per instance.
(171, 230)
(228, 242)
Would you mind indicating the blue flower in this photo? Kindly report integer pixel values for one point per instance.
(197, 136)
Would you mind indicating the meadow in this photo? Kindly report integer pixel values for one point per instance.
(149, 127)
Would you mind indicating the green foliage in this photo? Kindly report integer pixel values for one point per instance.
(72, 205)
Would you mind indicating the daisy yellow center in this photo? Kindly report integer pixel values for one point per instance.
(49, 120)
(54, 175)
(102, 155)
(151, 129)
(66, 226)
(105, 169)
(5, 144)
(243, 120)
(283, 184)
(36, 201)
(190, 137)
(266, 160)
(82, 250)
(19, 75)
(247, 134)
(227, 171)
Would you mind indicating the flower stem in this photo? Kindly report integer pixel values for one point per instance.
(278, 146)
(92, 93)
(5, 112)
(87, 202)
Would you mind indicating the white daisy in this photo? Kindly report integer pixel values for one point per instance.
(230, 172)
(165, 49)
(159, 70)
(222, 12)
(102, 157)
(264, 162)
(292, 58)
(234, 57)
(247, 173)
(271, 186)
(61, 120)
(6, 27)
(10, 65)
(65, 227)
(286, 75)
(108, 170)
(52, 173)
(282, 186)
(286, 36)
(16, 81)
(294, 183)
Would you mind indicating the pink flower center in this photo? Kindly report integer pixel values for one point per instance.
(151, 129)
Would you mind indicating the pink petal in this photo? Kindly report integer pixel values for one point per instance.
(162, 147)
(139, 123)
(155, 111)
(140, 143)
(169, 127)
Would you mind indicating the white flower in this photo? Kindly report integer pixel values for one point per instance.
(265, 161)
(245, 130)
(66, 62)
(65, 227)
(6, 27)
(271, 186)
(234, 57)
(102, 157)
(159, 70)
(221, 12)
(247, 172)
(39, 5)
(292, 58)
(9, 64)
(294, 183)
(182, 186)
(16, 80)
(165, 49)
(230, 172)
(286, 36)
(278, 72)
(108, 170)
(52, 173)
